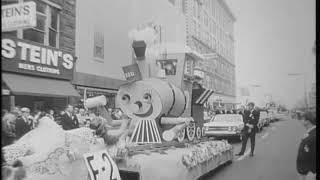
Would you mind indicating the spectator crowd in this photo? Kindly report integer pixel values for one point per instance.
(20, 120)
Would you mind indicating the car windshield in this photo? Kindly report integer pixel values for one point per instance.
(226, 118)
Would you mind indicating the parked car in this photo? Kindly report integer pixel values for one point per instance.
(272, 116)
(264, 118)
(224, 125)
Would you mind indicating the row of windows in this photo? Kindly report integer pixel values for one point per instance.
(212, 9)
(214, 38)
(205, 28)
(180, 4)
(222, 69)
(47, 30)
(219, 85)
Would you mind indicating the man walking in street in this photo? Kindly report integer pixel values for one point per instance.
(251, 119)
(306, 160)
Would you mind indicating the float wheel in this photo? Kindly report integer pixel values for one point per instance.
(181, 135)
(191, 131)
(203, 131)
(198, 132)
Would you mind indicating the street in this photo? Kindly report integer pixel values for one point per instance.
(275, 155)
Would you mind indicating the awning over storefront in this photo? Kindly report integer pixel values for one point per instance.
(37, 86)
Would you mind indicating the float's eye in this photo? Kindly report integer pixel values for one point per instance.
(147, 96)
(126, 98)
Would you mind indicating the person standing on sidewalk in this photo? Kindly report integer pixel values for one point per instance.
(306, 160)
(251, 119)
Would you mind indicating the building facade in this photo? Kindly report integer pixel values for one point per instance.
(38, 63)
(210, 26)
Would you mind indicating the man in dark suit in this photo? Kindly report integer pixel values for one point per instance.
(251, 119)
(306, 160)
(8, 129)
(22, 123)
(68, 119)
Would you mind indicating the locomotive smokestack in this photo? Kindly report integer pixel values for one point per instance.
(139, 48)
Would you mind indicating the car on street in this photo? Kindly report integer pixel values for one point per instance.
(264, 118)
(224, 125)
(272, 116)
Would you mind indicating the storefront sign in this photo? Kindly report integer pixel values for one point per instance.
(32, 58)
(18, 16)
(101, 166)
(132, 72)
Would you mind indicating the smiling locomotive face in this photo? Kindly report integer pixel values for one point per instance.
(139, 101)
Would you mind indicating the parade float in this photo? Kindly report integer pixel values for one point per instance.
(159, 135)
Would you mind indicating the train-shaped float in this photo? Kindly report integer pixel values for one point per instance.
(164, 103)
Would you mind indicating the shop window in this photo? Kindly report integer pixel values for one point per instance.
(98, 44)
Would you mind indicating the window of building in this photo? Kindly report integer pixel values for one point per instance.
(206, 22)
(47, 30)
(198, 11)
(193, 27)
(198, 31)
(98, 50)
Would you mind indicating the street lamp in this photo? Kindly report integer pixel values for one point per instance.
(304, 86)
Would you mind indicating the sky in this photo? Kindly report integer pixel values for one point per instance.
(274, 38)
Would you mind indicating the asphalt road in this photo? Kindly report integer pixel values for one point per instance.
(275, 155)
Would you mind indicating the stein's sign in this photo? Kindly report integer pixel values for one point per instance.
(31, 58)
(18, 16)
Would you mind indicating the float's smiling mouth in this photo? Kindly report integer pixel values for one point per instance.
(148, 113)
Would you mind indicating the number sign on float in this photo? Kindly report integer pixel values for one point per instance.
(101, 166)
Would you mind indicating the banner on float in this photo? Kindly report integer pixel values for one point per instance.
(132, 72)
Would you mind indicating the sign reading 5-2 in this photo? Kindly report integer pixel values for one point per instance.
(101, 166)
